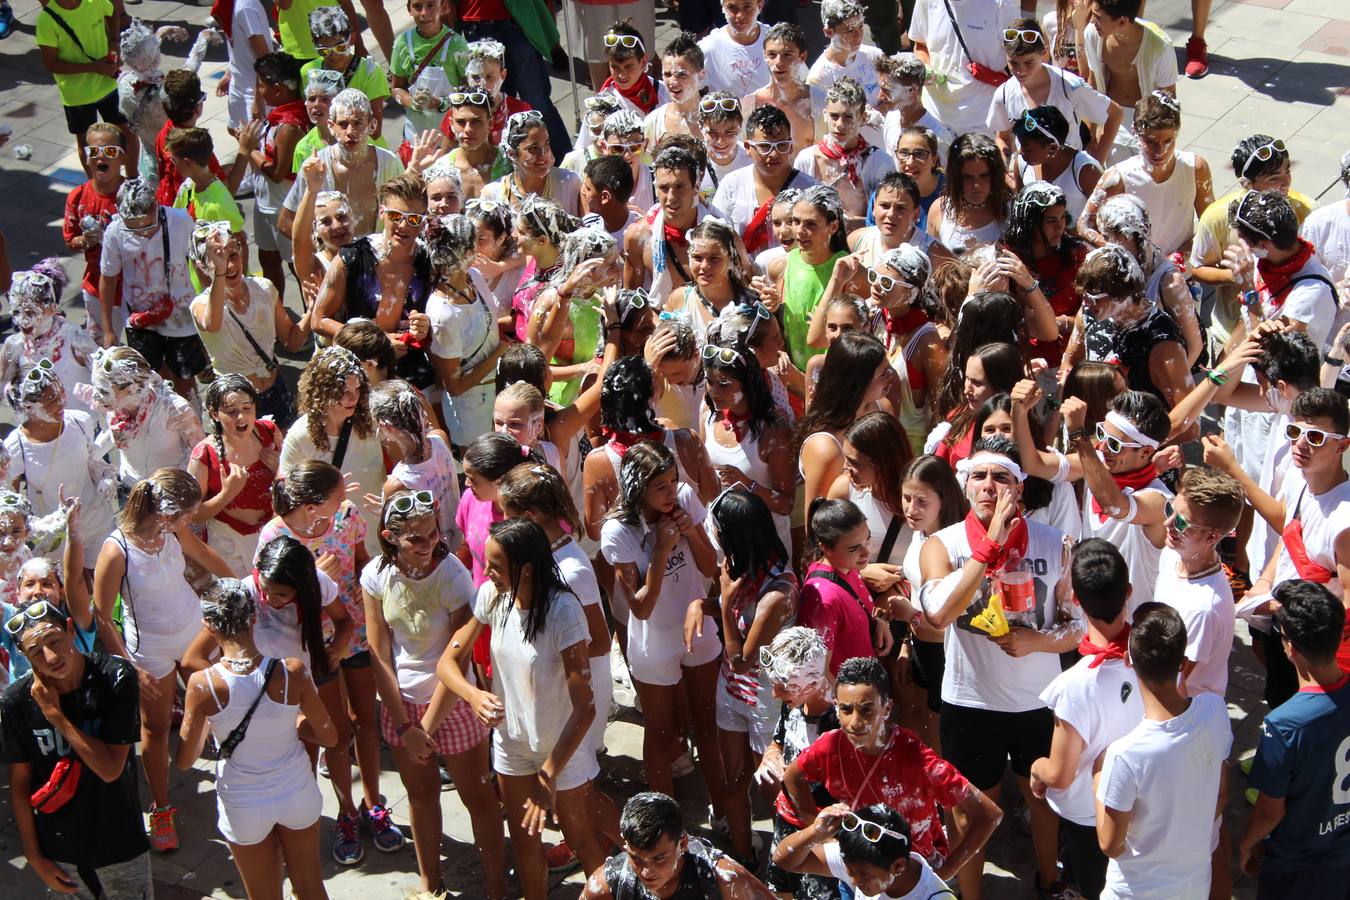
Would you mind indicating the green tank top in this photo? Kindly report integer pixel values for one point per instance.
(585, 316)
(501, 166)
(803, 285)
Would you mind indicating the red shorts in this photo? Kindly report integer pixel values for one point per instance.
(460, 730)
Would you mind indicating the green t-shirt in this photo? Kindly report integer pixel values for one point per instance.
(803, 285)
(214, 204)
(88, 21)
(293, 24)
(411, 47)
(312, 143)
(364, 76)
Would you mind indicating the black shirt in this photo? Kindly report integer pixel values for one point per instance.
(101, 825)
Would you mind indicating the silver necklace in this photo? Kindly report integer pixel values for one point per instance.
(240, 665)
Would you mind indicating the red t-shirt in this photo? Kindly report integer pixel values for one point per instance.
(843, 620)
(1056, 278)
(482, 11)
(909, 778)
(257, 491)
(169, 178)
(85, 201)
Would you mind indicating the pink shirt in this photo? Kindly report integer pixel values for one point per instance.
(474, 518)
(843, 620)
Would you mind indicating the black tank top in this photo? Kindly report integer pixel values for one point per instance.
(698, 876)
(363, 298)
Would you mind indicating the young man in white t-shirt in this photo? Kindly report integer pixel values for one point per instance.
(1191, 578)
(733, 55)
(1125, 502)
(965, 55)
(1162, 787)
(867, 849)
(1094, 702)
(1328, 229)
(842, 158)
(999, 663)
(846, 54)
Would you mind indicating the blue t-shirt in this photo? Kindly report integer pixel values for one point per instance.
(1304, 758)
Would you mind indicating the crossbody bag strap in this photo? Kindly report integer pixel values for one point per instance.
(835, 578)
(956, 27)
(164, 238)
(268, 360)
(344, 437)
(888, 542)
(431, 54)
(65, 26)
(236, 736)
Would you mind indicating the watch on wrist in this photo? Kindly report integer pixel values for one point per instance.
(1076, 435)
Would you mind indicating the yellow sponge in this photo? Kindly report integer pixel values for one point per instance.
(992, 621)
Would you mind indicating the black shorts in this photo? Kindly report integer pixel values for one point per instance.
(1322, 882)
(927, 665)
(185, 357)
(79, 118)
(358, 660)
(980, 742)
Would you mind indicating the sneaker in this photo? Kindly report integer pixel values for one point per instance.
(6, 21)
(323, 754)
(383, 832)
(682, 765)
(561, 859)
(347, 849)
(1060, 890)
(1197, 58)
(163, 834)
(447, 783)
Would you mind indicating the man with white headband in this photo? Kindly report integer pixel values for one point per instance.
(1125, 502)
(1001, 582)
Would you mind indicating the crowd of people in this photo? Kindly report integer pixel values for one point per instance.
(889, 416)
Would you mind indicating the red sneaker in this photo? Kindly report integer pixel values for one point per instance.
(1197, 58)
(561, 859)
(163, 834)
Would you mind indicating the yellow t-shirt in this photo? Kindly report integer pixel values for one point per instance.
(293, 25)
(1212, 237)
(88, 22)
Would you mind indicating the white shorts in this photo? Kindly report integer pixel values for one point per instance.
(159, 655)
(758, 721)
(602, 689)
(236, 549)
(469, 414)
(666, 668)
(249, 819)
(266, 234)
(516, 758)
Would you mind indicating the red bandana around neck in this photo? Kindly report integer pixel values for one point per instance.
(642, 94)
(621, 440)
(1276, 276)
(223, 12)
(995, 556)
(850, 158)
(910, 322)
(292, 113)
(1113, 649)
(1139, 478)
(673, 235)
(737, 425)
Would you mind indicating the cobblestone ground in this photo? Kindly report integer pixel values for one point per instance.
(1278, 66)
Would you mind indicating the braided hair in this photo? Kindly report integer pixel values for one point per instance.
(214, 398)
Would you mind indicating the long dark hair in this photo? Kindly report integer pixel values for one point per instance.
(310, 481)
(494, 454)
(746, 533)
(1036, 492)
(936, 473)
(626, 396)
(214, 396)
(1002, 369)
(850, 365)
(976, 147)
(526, 544)
(644, 461)
(289, 562)
(745, 368)
(879, 437)
(989, 317)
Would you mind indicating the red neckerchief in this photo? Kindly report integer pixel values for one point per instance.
(223, 12)
(1308, 569)
(643, 94)
(674, 235)
(1114, 649)
(737, 425)
(850, 158)
(759, 230)
(910, 322)
(1275, 277)
(995, 556)
(1139, 478)
(125, 425)
(622, 440)
(292, 113)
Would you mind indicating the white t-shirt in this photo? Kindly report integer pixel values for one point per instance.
(862, 67)
(736, 197)
(1328, 229)
(1101, 704)
(712, 179)
(229, 349)
(655, 636)
(928, 885)
(1167, 773)
(978, 673)
(250, 18)
(1068, 93)
(893, 127)
(528, 676)
(577, 573)
(1309, 301)
(1324, 517)
(1206, 606)
(876, 166)
(363, 460)
(162, 440)
(418, 614)
(962, 103)
(277, 631)
(139, 259)
(464, 331)
(1131, 540)
(729, 66)
(437, 474)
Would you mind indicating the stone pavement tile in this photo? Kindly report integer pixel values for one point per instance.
(1268, 4)
(1334, 37)
(1280, 27)
(1332, 9)
(1255, 114)
(1317, 162)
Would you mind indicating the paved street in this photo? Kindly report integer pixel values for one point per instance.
(1278, 66)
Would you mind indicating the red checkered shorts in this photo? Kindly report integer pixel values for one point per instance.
(460, 731)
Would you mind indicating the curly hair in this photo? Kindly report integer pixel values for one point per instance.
(322, 385)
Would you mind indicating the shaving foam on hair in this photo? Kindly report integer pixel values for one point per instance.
(136, 198)
(352, 101)
(324, 82)
(833, 12)
(912, 264)
(623, 122)
(450, 244)
(1125, 214)
(139, 48)
(579, 246)
(228, 607)
(487, 48)
(1119, 262)
(329, 22)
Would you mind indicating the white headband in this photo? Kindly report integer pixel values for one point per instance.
(1129, 430)
(987, 457)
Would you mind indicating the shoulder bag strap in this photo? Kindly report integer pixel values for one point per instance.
(835, 578)
(888, 542)
(956, 27)
(431, 54)
(65, 26)
(236, 736)
(344, 437)
(164, 237)
(268, 360)
(1335, 296)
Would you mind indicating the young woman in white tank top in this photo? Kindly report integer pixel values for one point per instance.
(974, 204)
(267, 800)
(718, 283)
(896, 210)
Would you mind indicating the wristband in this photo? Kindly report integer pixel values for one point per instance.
(1216, 378)
(1077, 435)
(401, 730)
(986, 551)
(1331, 360)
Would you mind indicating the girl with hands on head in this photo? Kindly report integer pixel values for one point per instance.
(540, 704)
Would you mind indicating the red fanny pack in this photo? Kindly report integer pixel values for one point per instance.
(60, 787)
(985, 75)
